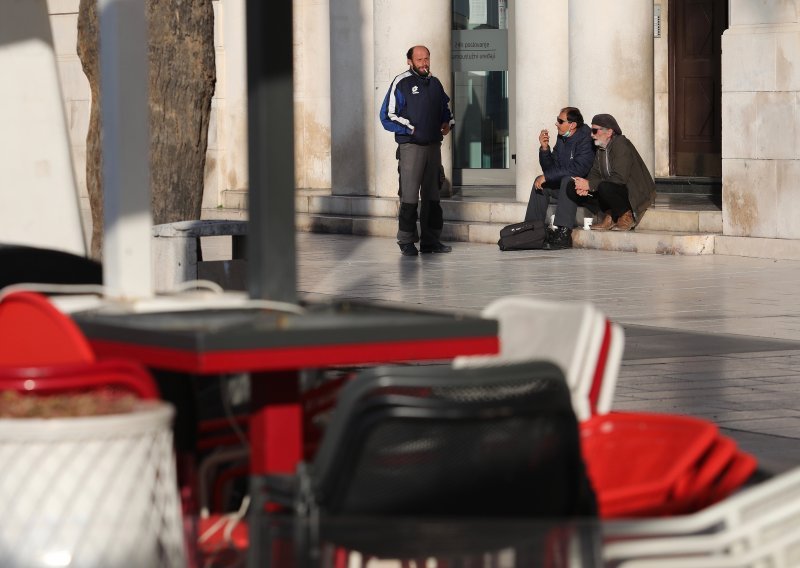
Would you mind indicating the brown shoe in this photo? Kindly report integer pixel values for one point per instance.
(605, 223)
(625, 222)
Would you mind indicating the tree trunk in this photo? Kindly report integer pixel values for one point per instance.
(181, 83)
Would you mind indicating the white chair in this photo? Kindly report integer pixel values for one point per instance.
(781, 552)
(573, 335)
(756, 527)
(606, 389)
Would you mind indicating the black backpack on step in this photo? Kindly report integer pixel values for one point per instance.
(527, 235)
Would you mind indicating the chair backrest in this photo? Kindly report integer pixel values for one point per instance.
(433, 440)
(574, 335)
(598, 380)
(34, 332)
(23, 264)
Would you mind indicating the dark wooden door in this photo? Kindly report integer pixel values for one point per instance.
(695, 34)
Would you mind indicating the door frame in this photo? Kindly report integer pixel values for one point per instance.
(672, 37)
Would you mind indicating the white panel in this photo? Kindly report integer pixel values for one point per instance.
(40, 202)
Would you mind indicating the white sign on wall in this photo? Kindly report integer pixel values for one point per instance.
(480, 50)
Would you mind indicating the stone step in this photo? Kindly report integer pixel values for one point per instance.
(643, 241)
(504, 213)
(482, 211)
(661, 230)
(689, 184)
(672, 220)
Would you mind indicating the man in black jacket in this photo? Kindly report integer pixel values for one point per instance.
(416, 109)
(572, 156)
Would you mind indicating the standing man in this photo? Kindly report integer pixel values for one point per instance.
(619, 180)
(416, 110)
(571, 157)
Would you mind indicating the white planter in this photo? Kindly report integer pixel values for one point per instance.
(90, 492)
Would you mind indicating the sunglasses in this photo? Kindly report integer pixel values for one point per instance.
(594, 130)
(560, 120)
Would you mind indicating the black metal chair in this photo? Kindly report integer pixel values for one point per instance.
(438, 442)
(31, 264)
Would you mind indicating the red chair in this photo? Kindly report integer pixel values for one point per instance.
(34, 332)
(43, 351)
(115, 375)
(637, 460)
(648, 465)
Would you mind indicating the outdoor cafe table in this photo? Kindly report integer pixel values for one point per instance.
(273, 346)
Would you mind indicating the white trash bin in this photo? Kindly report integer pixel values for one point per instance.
(96, 491)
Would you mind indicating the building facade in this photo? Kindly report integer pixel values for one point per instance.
(702, 87)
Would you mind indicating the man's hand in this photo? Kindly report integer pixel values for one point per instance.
(544, 139)
(537, 183)
(445, 128)
(581, 186)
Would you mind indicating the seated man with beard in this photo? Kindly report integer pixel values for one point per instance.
(620, 184)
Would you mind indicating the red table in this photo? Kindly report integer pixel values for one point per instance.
(273, 346)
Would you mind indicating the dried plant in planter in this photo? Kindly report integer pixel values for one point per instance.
(94, 403)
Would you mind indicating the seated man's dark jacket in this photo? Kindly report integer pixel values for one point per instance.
(570, 157)
(620, 163)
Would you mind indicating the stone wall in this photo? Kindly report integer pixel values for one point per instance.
(760, 111)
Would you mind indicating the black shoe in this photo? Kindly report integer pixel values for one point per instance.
(438, 247)
(408, 249)
(561, 239)
(550, 233)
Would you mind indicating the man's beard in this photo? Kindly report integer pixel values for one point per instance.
(420, 72)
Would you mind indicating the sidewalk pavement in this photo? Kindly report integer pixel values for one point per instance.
(716, 337)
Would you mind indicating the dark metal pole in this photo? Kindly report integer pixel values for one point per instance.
(271, 247)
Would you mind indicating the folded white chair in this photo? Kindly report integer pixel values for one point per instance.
(754, 528)
(569, 334)
(781, 552)
(761, 537)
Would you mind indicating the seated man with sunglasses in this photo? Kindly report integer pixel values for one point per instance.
(571, 157)
(619, 183)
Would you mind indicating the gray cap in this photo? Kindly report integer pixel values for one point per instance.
(607, 121)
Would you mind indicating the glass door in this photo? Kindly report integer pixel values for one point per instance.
(482, 145)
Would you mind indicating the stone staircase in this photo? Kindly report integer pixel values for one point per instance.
(685, 220)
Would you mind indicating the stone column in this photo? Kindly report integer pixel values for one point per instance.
(352, 121)
(760, 112)
(542, 81)
(419, 22)
(312, 93)
(611, 66)
(232, 90)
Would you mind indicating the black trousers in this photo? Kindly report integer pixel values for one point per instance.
(608, 196)
(419, 168)
(566, 206)
(613, 197)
